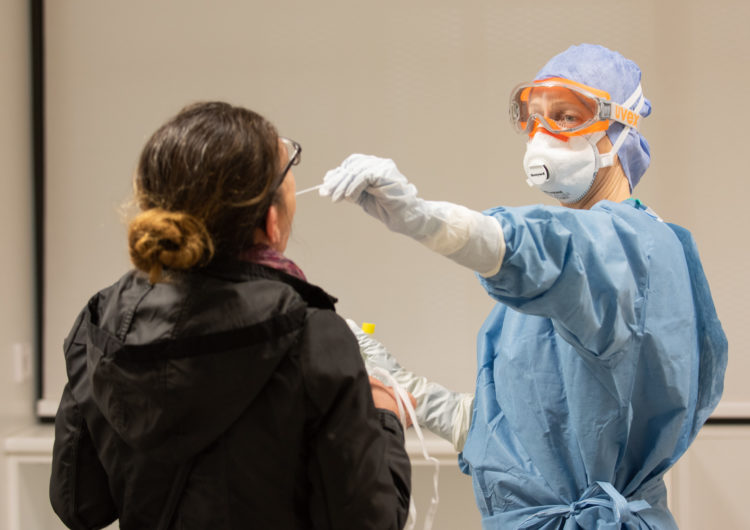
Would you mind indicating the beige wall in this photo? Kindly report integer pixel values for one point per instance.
(425, 83)
(16, 265)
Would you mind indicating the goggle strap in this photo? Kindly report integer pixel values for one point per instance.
(637, 93)
(621, 113)
(641, 102)
(608, 159)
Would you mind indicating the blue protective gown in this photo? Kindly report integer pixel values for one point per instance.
(596, 370)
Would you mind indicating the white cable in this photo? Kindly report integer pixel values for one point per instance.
(402, 402)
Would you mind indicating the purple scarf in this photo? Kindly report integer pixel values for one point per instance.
(265, 255)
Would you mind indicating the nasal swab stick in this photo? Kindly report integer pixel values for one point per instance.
(309, 189)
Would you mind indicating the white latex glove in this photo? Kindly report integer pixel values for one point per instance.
(469, 238)
(441, 411)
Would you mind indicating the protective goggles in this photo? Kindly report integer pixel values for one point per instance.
(567, 108)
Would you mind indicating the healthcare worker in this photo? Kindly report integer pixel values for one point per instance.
(604, 355)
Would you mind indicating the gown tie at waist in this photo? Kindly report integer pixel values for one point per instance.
(622, 509)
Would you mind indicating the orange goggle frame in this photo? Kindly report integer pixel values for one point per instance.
(603, 109)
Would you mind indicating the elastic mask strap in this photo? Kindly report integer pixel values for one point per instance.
(608, 159)
(593, 139)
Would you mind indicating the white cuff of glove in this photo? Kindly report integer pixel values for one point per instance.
(441, 411)
(466, 236)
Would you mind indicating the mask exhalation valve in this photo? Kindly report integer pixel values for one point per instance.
(538, 175)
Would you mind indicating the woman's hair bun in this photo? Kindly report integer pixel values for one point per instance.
(160, 239)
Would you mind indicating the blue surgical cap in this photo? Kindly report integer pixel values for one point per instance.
(599, 67)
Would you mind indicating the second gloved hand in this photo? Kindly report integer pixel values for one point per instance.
(468, 237)
(442, 411)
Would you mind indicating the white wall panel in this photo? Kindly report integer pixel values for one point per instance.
(16, 225)
(425, 83)
(708, 486)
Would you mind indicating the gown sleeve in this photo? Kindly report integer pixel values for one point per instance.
(586, 270)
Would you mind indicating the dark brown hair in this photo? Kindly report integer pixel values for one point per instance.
(203, 184)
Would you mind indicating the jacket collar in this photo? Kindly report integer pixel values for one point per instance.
(237, 271)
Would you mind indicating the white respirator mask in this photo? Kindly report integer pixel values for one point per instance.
(563, 169)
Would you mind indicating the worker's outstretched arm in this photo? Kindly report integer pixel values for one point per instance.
(468, 237)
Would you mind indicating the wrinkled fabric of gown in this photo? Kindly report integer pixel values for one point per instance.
(596, 370)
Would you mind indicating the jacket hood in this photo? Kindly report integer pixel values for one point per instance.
(172, 365)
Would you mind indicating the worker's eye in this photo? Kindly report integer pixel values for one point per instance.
(567, 119)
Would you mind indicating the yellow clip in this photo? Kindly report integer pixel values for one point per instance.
(368, 328)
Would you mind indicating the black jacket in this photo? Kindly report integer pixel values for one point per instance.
(236, 388)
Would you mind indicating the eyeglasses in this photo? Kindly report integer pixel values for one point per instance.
(294, 156)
